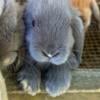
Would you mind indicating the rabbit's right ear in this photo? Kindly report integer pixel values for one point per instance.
(2, 3)
(79, 35)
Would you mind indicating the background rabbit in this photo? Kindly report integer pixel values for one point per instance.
(5, 7)
(8, 22)
(54, 38)
(9, 38)
(87, 8)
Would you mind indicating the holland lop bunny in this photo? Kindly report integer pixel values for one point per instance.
(11, 29)
(8, 22)
(54, 37)
(87, 8)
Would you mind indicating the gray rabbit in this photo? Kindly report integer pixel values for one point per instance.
(10, 34)
(8, 39)
(54, 39)
(8, 22)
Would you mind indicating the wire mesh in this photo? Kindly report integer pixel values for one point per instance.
(91, 54)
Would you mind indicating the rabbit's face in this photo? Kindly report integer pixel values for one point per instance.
(49, 37)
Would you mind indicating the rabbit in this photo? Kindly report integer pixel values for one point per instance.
(8, 21)
(87, 8)
(10, 38)
(54, 40)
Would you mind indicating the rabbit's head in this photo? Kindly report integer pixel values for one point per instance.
(49, 34)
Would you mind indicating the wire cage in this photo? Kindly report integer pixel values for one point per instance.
(91, 53)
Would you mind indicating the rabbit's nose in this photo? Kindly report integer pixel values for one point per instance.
(47, 54)
(56, 53)
(50, 55)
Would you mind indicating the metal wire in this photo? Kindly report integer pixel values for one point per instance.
(91, 54)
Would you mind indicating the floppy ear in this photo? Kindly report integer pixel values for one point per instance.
(79, 35)
(9, 16)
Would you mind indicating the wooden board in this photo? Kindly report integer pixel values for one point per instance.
(85, 86)
(83, 80)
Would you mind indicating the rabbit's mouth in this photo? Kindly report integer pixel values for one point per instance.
(56, 58)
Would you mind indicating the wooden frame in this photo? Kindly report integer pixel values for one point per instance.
(85, 83)
(83, 80)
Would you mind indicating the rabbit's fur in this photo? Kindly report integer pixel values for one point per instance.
(54, 38)
(9, 36)
(9, 42)
(8, 22)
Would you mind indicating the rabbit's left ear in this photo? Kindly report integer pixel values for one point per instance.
(79, 35)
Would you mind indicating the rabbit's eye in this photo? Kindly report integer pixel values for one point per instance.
(33, 23)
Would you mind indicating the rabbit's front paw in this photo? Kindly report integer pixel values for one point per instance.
(29, 80)
(57, 82)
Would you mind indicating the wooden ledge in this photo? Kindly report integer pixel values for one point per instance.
(85, 86)
(83, 80)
